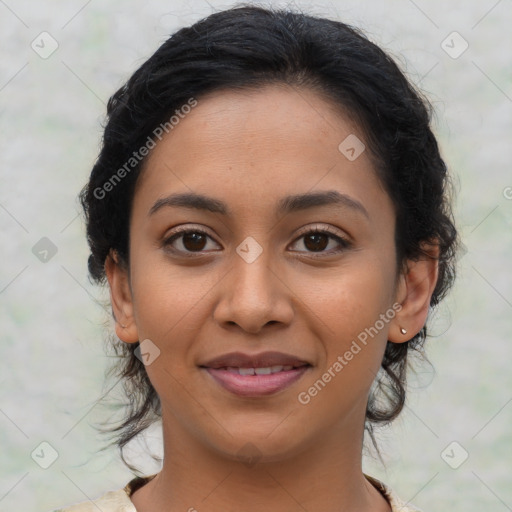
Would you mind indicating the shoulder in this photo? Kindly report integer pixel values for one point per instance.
(113, 501)
(396, 503)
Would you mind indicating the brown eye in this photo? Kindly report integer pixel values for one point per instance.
(316, 241)
(193, 241)
(321, 241)
(186, 242)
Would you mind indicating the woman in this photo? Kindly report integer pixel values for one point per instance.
(271, 213)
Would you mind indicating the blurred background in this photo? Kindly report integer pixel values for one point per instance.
(451, 449)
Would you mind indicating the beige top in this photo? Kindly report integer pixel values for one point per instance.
(119, 501)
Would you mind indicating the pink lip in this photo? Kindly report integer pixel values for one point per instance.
(256, 385)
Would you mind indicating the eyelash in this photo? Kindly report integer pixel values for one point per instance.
(343, 242)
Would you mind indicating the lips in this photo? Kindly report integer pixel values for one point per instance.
(256, 375)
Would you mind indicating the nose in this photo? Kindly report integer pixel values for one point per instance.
(253, 295)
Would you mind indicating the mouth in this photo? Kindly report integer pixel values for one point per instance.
(256, 375)
(268, 370)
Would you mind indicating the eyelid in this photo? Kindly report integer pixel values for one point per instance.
(321, 228)
(304, 230)
(189, 227)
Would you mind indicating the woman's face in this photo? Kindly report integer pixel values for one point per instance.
(290, 249)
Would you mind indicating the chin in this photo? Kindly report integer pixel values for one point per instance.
(251, 445)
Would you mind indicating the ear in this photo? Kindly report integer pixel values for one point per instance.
(414, 291)
(121, 298)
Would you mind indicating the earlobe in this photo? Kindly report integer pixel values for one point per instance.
(121, 298)
(414, 293)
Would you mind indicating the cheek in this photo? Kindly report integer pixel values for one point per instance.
(171, 308)
(352, 341)
(352, 330)
(169, 297)
(351, 299)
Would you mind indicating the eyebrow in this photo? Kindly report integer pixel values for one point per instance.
(288, 204)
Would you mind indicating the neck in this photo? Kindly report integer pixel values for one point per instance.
(325, 476)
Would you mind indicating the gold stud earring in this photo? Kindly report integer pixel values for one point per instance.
(403, 331)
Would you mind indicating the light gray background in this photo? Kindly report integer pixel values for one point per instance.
(52, 364)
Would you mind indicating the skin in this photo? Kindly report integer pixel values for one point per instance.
(250, 149)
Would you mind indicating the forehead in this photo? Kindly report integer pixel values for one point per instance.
(253, 146)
